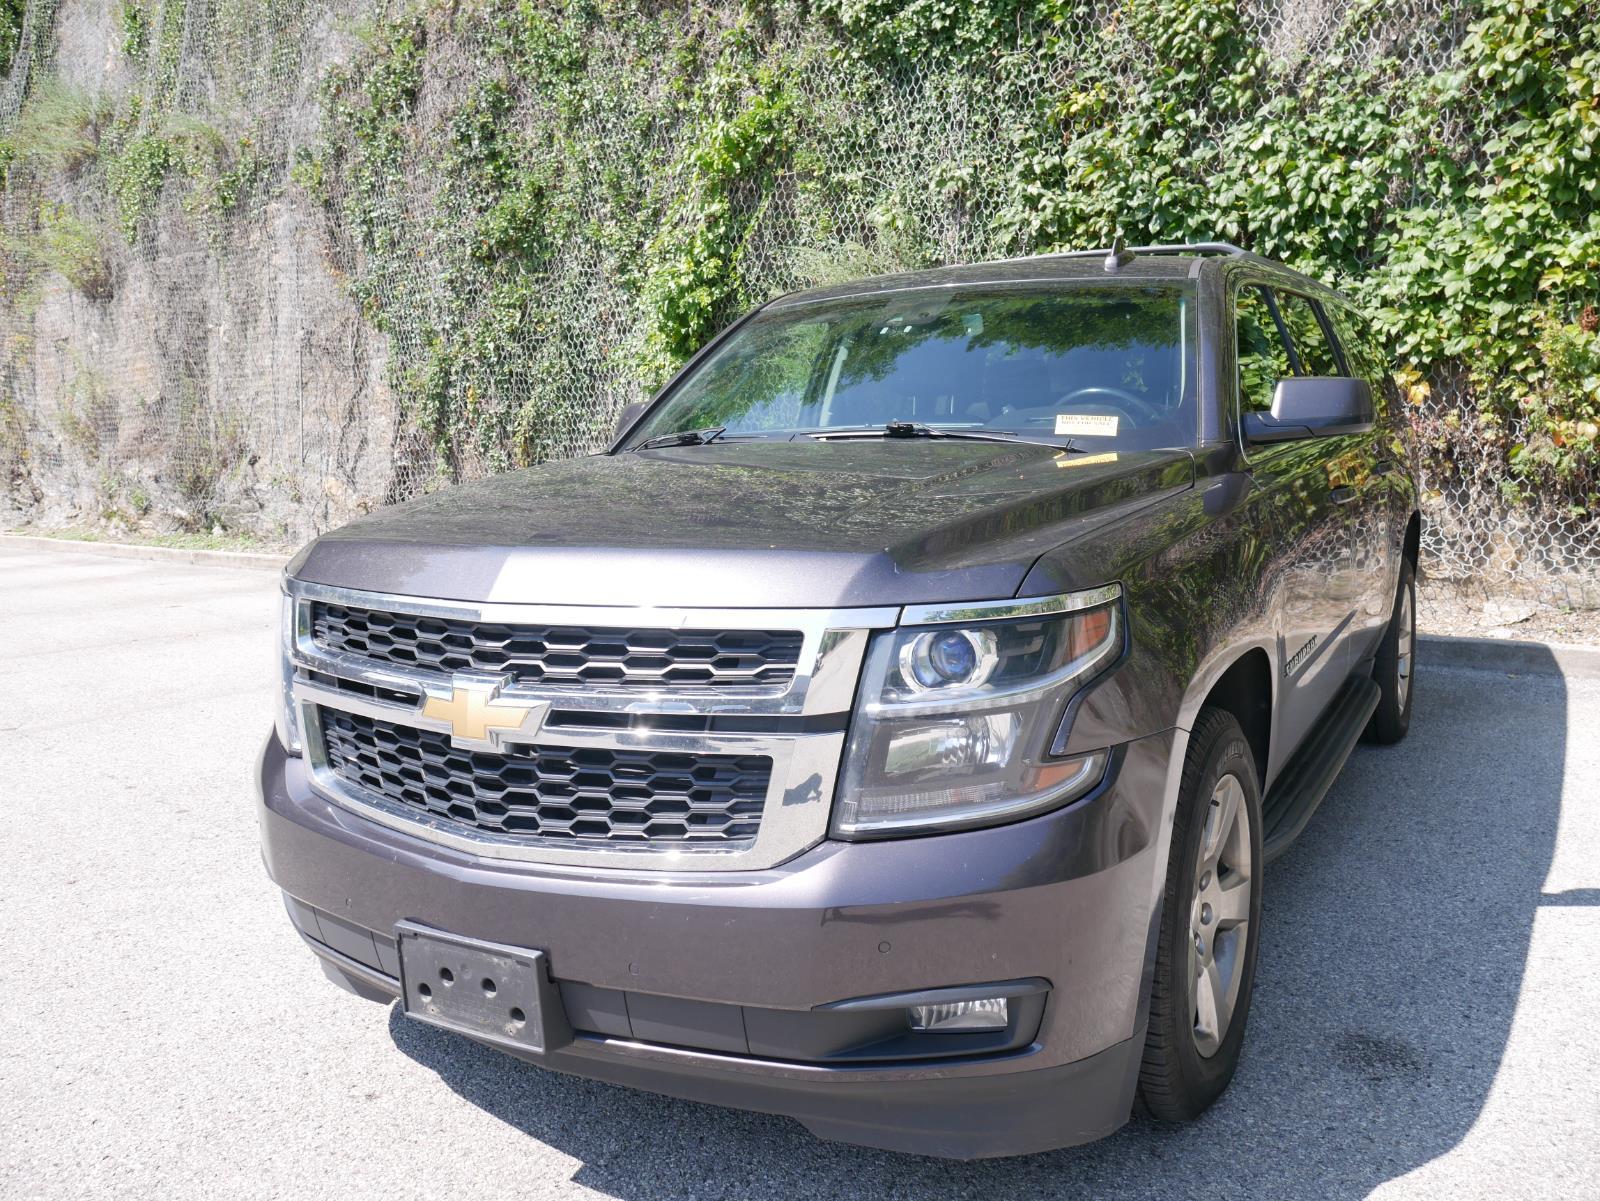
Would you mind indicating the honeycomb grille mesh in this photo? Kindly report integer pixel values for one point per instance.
(562, 654)
(554, 795)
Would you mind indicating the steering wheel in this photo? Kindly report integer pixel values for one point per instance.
(1125, 402)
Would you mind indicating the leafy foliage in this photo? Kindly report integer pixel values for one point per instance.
(135, 176)
(11, 14)
(135, 22)
(693, 265)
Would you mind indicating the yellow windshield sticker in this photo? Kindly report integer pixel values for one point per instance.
(1085, 460)
(1090, 425)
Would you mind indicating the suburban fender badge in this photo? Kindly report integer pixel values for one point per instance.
(1300, 656)
(480, 719)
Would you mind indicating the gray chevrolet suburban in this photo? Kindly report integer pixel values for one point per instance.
(893, 728)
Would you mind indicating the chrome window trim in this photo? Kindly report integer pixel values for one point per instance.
(1036, 606)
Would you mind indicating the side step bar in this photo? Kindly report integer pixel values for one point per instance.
(1306, 778)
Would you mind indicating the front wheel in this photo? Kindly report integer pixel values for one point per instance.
(1211, 911)
(1395, 665)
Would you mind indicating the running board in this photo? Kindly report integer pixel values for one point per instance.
(1306, 778)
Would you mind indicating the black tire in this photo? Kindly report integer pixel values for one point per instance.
(1395, 666)
(1177, 1080)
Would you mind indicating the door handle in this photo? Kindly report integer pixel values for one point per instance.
(1343, 494)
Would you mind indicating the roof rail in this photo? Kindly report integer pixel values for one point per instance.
(1220, 248)
(1195, 248)
(1117, 256)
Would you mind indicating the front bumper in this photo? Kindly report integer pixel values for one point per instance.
(677, 983)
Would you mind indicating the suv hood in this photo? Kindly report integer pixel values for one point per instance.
(763, 524)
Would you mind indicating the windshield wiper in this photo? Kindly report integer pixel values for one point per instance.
(683, 438)
(917, 429)
(894, 429)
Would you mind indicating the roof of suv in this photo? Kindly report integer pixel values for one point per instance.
(1153, 263)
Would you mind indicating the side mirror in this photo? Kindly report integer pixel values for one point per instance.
(1312, 407)
(626, 418)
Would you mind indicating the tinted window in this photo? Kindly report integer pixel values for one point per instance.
(1263, 358)
(1362, 351)
(1309, 338)
(757, 382)
(1108, 366)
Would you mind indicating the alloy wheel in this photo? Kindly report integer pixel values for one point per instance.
(1219, 917)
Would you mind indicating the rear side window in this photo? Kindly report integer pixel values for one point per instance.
(1310, 340)
(1263, 356)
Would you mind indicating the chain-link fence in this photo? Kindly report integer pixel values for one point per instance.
(246, 335)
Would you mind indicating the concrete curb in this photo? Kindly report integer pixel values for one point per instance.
(250, 560)
(1509, 655)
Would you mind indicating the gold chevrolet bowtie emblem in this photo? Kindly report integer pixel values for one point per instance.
(477, 718)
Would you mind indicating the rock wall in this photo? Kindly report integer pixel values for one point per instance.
(211, 371)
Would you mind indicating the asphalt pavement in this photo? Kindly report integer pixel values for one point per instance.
(1426, 1022)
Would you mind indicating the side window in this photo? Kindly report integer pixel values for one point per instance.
(1316, 353)
(1375, 356)
(1361, 352)
(1263, 357)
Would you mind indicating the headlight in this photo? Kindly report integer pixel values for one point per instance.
(957, 718)
(287, 718)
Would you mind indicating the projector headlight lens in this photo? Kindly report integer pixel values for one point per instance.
(948, 658)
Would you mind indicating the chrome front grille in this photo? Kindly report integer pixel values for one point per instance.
(571, 796)
(604, 736)
(561, 654)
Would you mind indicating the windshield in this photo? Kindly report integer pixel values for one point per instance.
(1098, 367)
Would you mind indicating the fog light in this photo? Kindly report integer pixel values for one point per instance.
(986, 1013)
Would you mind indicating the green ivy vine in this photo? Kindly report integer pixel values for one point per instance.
(11, 14)
(1460, 203)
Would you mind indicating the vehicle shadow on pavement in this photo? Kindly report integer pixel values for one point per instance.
(1396, 933)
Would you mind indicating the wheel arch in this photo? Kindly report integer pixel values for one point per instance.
(1245, 689)
(1411, 548)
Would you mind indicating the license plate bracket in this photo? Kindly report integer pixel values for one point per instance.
(490, 991)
